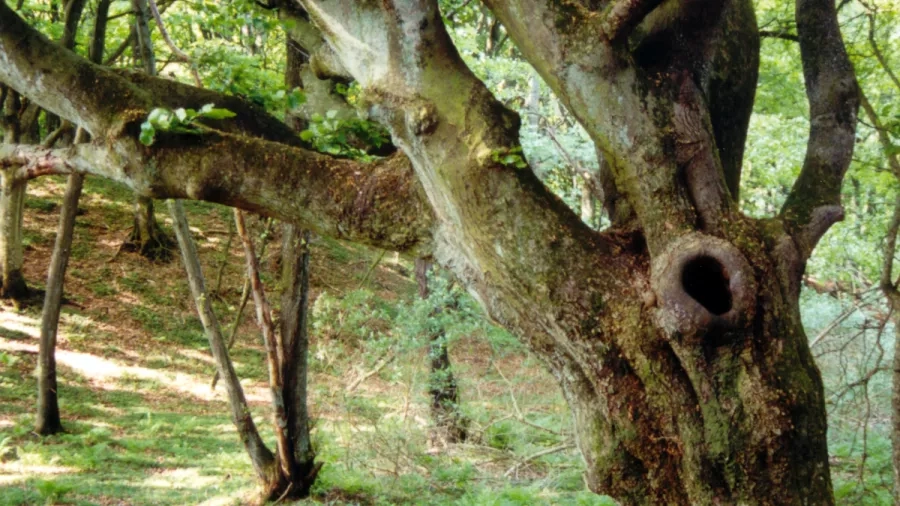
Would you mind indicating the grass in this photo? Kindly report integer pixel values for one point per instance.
(143, 427)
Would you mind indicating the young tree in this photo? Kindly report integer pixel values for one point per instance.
(450, 423)
(676, 338)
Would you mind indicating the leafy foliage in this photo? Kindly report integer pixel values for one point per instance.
(179, 121)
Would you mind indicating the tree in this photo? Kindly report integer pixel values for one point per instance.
(675, 335)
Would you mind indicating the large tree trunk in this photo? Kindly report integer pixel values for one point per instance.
(676, 337)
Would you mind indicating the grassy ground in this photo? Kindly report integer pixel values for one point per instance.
(144, 427)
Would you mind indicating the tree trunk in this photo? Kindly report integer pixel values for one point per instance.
(450, 424)
(895, 411)
(295, 357)
(260, 456)
(48, 420)
(19, 125)
(12, 205)
(286, 355)
(147, 237)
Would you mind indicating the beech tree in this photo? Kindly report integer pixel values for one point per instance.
(675, 334)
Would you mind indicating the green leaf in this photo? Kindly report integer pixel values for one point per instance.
(307, 135)
(296, 98)
(156, 114)
(331, 114)
(219, 114)
(148, 133)
(181, 114)
(206, 108)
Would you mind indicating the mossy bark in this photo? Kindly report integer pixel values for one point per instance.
(12, 206)
(676, 338)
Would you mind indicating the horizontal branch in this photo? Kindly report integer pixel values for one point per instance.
(778, 35)
(380, 204)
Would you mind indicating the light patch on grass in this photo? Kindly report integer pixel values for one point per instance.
(18, 471)
(180, 478)
(106, 373)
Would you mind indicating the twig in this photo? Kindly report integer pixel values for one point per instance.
(179, 54)
(519, 416)
(387, 359)
(371, 268)
(548, 451)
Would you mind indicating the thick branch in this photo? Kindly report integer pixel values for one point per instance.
(379, 204)
(833, 102)
(60, 81)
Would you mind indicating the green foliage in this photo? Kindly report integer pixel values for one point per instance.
(511, 157)
(179, 121)
(349, 138)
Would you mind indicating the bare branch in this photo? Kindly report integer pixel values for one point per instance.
(779, 35)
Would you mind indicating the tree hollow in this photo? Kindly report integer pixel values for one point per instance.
(706, 280)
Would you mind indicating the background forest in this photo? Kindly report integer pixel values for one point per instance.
(143, 425)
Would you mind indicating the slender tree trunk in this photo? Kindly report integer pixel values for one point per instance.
(48, 420)
(147, 237)
(12, 205)
(449, 422)
(260, 456)
(295, 357)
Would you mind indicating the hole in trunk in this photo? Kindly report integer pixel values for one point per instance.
(704, 279)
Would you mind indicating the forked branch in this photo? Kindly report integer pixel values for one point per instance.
(833, 96)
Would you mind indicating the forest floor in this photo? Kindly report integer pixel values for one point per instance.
(143, 426)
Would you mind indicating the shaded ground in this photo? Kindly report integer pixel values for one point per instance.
(145, 428)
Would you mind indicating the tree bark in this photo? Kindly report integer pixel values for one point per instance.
(48, 419)
(260, 456)
(677, 341)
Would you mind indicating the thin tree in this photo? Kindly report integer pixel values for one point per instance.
(48, 417)
(449, 422)
(147, 237)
